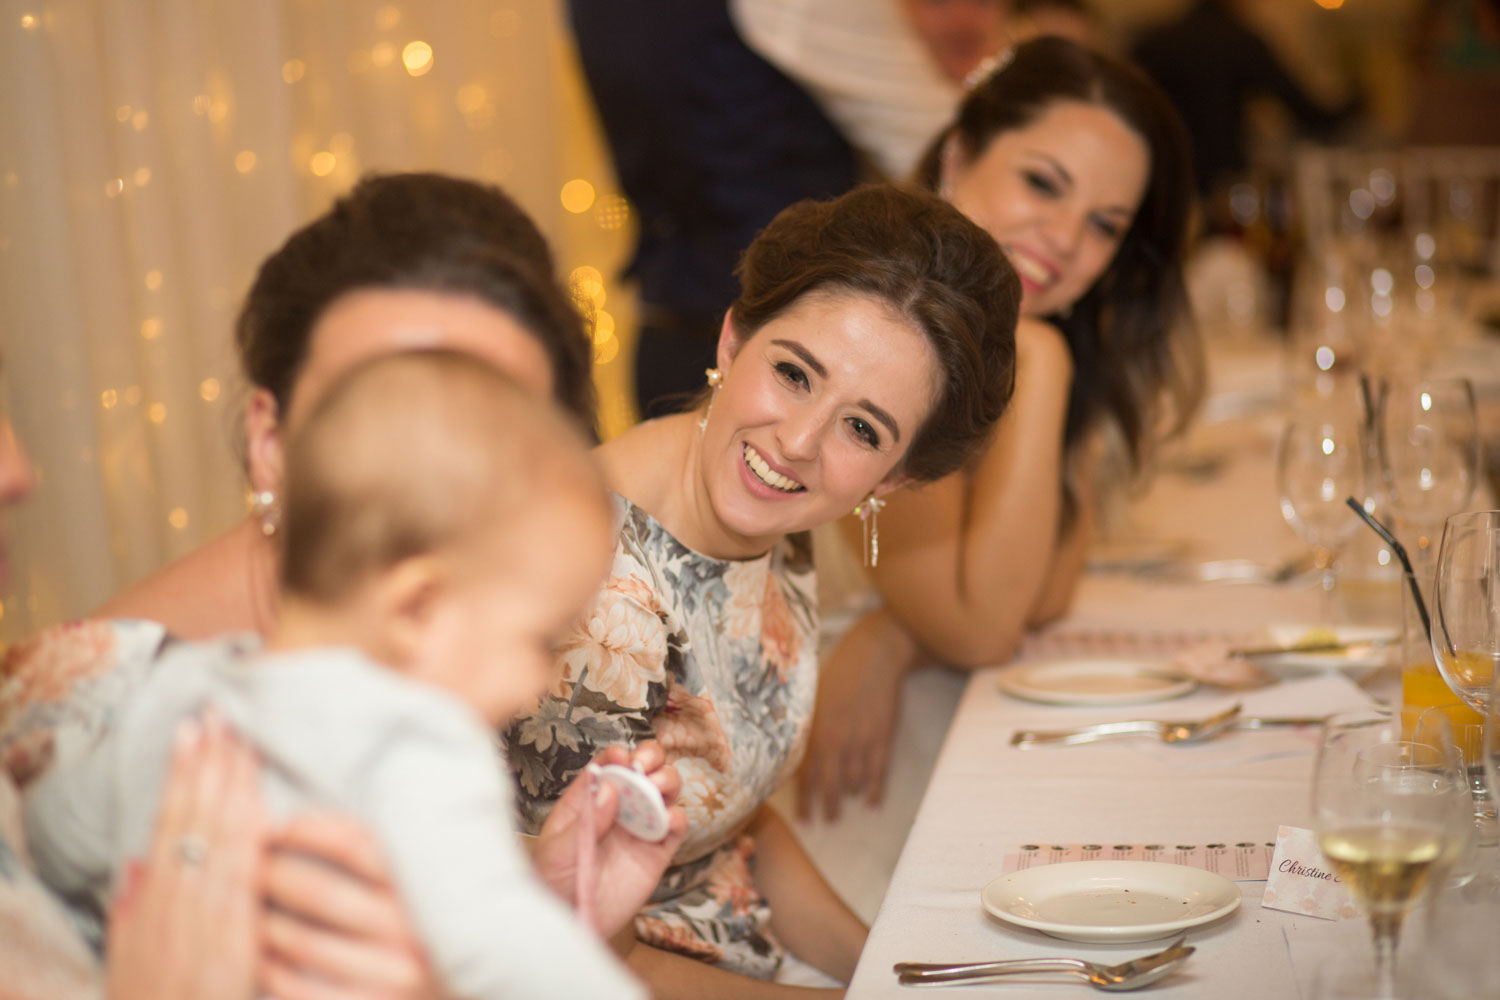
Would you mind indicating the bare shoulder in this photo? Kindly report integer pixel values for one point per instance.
(204, 593)
(1043, 348)
(633, 462)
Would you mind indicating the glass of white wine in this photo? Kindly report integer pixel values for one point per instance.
(1465, 610)
(1392, 818)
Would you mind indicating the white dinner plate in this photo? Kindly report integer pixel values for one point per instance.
(1114, 901)
(1094, 681)
(1127, 555)
(1356, 662)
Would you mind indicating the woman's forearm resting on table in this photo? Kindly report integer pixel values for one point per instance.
(859, 692)
(965, 560)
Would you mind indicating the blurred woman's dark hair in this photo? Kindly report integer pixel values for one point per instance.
(1130, 336)
(413, 231)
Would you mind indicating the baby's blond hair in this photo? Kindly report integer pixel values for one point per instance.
(419, 453)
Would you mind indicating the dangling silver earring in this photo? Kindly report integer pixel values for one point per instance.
(868, 512)
(715, 379)
(264, 508)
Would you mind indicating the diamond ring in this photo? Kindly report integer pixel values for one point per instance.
(192, 849)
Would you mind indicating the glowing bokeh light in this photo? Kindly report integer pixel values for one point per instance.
(604, 326)
(417, 58)
(577, 195)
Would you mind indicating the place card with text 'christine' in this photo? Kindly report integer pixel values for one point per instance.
(1302, 881)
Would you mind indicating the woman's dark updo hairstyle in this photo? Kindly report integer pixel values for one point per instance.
(930, 265)
(1132, 349)
(427, 232)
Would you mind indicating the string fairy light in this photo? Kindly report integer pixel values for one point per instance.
(577, 195)
(417, 57)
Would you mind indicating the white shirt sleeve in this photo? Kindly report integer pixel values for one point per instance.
(864, 67)
(440, 803)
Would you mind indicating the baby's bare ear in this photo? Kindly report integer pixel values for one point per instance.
(406, 597)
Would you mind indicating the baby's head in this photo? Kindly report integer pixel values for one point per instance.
(444, 522)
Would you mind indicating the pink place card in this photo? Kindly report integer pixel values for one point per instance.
(1302, 881)
(1244, 861)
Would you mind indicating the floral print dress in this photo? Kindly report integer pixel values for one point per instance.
(717, 660)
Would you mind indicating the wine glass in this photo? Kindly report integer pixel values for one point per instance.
(1465, 611)
(1428, 439)
(1391, 817)
(1318, 464)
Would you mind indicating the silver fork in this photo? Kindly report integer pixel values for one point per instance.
(1167, 732)
(1125, 976)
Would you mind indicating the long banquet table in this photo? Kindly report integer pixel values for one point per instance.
(986, 798)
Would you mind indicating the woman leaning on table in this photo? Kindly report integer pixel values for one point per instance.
(1078, 167)
(871, 346)
(403, 261)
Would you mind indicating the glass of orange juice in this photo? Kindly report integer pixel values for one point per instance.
(1424, 690)
(1422, 685)
(1468, 737)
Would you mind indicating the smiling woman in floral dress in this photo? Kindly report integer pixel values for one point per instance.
(872, 346)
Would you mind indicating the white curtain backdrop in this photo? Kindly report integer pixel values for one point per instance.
(152, 152)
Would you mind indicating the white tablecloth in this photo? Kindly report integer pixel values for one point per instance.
(986, 798)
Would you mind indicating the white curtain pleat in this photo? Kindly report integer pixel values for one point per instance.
(152, 152)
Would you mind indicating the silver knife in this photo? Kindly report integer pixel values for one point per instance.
(1106, 730)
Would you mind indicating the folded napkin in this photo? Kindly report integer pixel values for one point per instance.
(1069, 639)
(1210, 663)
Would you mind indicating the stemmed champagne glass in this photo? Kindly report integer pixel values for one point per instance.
(1465, 610)
(1391, 817)
(1429, 451)
(1318, 464)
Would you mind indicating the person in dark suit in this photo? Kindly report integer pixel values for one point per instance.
(709, 141)
(1211, 64)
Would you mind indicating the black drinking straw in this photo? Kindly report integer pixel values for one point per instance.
(1396, 547)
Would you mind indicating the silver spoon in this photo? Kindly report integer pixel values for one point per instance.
(1167, 732)
(1126, 976)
